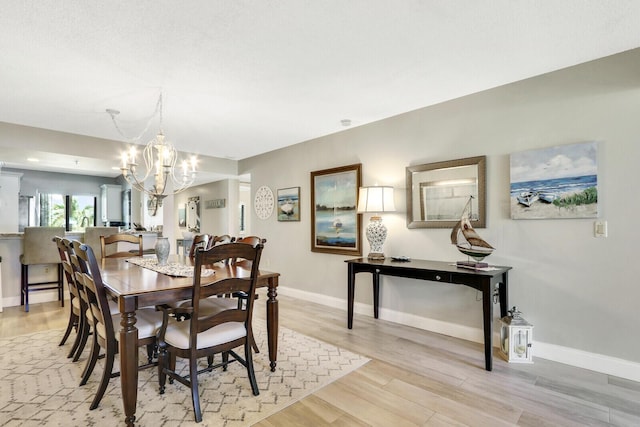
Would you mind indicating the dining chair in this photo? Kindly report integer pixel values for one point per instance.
(127, 245)
(76, 311)
(214, 304)
(250, 240)
(92, 238)
(105, 326)
(203, 241)
(86, 319)
(200, 241)
(40, 249)
(253, 241)
(224, 238)
(87, 323)
(221, 332)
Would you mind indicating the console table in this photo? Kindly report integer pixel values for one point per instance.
(436, 271)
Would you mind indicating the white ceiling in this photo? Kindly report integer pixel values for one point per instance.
(240, 78)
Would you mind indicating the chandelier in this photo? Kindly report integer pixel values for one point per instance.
(159, 158)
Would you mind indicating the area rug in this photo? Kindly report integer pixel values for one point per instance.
(39, 385)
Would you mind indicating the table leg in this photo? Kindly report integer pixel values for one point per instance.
(487, 314)
(351, 284)
(503, 294)
(129, 365)
(376, 292)
(272, 322)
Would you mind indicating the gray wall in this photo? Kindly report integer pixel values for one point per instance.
(212, 221)
(578, 291)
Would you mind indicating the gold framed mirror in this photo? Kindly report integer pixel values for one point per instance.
(438, 192)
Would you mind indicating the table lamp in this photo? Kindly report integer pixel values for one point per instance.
(376, 200)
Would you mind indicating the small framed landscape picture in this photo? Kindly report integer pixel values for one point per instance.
(289, 204)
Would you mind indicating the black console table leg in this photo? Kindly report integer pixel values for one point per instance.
(376, 292)
(487, 314)
(503, 293)
(351, 278)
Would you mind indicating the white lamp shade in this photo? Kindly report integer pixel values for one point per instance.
(376, 199)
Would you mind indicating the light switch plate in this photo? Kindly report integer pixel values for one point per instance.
(600, 228)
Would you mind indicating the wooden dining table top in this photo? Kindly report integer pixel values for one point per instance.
(123, 278)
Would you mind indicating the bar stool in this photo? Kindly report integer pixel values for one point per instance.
(39, 248)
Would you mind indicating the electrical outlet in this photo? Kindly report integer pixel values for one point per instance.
(600, 228)
(46, 270)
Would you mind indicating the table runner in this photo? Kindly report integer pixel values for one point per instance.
(174, 269)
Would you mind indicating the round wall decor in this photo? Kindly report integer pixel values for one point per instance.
(263, 202)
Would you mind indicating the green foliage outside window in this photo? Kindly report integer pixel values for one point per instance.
(82, 212)
(53, 211)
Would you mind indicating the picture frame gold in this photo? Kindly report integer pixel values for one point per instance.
(335, 223)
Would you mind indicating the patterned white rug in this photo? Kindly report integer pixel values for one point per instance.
(39, 385)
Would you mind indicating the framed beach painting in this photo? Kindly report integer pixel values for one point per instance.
(335, 223)
(555, 182)
(289, 204)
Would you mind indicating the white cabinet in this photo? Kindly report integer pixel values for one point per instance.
(111, 202)
(9, 192)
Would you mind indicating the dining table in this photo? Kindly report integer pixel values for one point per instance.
(134, 286)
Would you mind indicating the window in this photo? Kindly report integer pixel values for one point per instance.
(82, 212)
(52, 210)
(75, 212)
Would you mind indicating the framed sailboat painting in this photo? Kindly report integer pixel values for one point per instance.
(335, 223)
(555, 182)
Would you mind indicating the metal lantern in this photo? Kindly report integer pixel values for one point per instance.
(516, 337)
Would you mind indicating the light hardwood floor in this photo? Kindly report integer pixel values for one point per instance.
(418, 378)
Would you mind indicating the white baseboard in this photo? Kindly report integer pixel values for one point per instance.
(592, 361)
(34, 298)
(569, 356)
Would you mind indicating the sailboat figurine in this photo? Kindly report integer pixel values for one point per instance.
(468, 241)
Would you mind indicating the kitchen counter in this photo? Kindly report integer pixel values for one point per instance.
(10, 250)
(79, 234)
